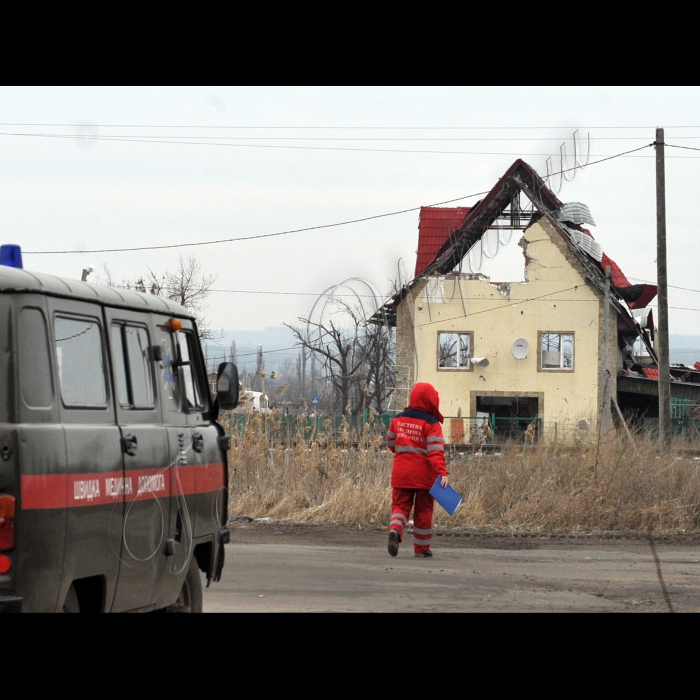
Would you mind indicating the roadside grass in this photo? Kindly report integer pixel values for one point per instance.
(602, 485)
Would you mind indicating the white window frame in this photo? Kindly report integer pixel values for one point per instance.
(560, 368)
(469, 367)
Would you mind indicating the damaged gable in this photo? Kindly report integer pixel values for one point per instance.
(502, 209)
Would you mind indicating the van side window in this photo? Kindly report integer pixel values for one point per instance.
(190, 373)
(132, 366)
(80, 362)
(35, 359)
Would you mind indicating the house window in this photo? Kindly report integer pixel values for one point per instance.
(556, 351)
(454, 350)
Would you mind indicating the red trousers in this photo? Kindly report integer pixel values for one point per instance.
(402, 500)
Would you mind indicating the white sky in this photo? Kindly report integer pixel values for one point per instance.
(68, 194)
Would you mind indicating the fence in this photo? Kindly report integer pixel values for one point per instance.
(685, 421)
(307, 427)
(292, 428)
(461, 430)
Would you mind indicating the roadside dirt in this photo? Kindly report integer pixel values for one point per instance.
(266, 532)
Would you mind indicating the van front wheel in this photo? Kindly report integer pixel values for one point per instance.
(190, 598)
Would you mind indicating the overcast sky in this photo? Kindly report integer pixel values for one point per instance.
(70, 194)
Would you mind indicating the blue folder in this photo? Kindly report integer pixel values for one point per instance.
(446, 496)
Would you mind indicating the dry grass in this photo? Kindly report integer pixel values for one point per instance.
(584, 487)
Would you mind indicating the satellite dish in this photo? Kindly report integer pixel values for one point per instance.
(520, 349)
(481, 361)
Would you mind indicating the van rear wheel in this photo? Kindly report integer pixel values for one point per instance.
(190, 598)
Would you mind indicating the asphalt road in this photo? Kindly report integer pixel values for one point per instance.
(317, 570)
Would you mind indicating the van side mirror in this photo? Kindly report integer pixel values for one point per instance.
(227, 386)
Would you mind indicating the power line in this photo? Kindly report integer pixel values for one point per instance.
(309, 228)
(160, 137)
(169, 140)
(247, 238)
(685, 148)
(296, 294)
(500, 308)
(685, 289)
(348, 128)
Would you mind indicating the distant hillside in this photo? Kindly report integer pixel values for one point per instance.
(685, 349)
(273, 338)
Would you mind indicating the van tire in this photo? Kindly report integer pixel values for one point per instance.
(190, 598)
(71, 604)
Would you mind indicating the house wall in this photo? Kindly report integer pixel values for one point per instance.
(555, 298)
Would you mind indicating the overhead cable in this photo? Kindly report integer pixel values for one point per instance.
(348, 128)
(169, 140)
(300, 230)
(246, 238)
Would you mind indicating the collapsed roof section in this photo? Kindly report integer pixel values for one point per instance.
(501, 208)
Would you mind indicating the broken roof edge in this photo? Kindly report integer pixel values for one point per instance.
(523, 177)
(484, 212)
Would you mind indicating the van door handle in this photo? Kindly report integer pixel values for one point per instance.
(130, 444)
(198, 442)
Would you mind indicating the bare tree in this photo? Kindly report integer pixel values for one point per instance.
(186, 284)
(380, 365)
(355, 356)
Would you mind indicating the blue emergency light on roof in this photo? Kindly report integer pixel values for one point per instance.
(11, 256)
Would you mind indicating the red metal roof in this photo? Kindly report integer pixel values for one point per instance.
(434, 228)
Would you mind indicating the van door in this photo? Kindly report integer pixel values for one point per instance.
(93, 447)
(198, 469)
(146, 486)
(206, 452)
(182, 469)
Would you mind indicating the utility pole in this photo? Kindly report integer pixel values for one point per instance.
(662, 281)
(605, 416)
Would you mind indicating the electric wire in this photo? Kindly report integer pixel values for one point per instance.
(348, 128)
(309, 228)
(670, 286)
(248, 238)
(170, 141)
(685, 148)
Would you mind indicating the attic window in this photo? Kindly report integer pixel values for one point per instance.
(454, 350)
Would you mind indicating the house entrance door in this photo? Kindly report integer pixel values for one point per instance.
(515, 417)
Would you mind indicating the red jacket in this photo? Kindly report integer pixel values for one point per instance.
(415, 437)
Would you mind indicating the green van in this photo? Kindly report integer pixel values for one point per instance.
(113, 476)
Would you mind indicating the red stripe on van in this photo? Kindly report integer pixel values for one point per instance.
(210, 477)
(78, 490)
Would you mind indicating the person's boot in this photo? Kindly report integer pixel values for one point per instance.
(423, 554)
(394, 541)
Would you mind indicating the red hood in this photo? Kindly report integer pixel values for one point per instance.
(424, 397)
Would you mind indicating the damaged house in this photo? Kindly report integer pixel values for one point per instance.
(539, 354)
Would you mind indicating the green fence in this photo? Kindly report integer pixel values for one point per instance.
(307, 427)
(491, 429)
(685, 420)
(291, 427)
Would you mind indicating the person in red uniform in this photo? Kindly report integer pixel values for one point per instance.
(415, 438)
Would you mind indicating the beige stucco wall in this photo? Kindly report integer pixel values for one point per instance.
(555, 298)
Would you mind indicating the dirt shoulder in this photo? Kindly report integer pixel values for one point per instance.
(263, 531)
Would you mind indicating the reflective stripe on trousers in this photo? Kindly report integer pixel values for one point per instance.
(421, 502)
